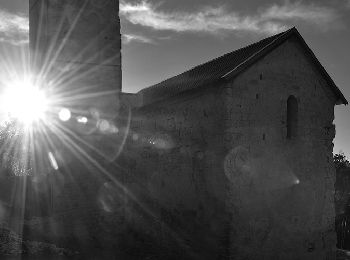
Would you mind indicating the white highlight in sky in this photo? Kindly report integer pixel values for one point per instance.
(127, 38)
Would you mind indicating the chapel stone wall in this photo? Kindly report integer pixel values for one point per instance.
(282, 189)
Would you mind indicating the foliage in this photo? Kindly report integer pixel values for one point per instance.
(340, 161)
(14, 151)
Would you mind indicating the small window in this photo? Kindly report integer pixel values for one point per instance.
(292, 117)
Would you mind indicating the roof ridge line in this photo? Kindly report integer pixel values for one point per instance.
(253, 55)
(206, 62)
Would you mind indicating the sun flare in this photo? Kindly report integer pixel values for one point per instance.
(24, 102)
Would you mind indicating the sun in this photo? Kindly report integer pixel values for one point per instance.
(23, 101)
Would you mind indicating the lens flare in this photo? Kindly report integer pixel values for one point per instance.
(53, 161)
(24, 102)
(64, 114)
(82, 120)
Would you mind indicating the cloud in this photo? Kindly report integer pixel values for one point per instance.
(293, 12)
(268, 20)
(127, 38)
(14, 28)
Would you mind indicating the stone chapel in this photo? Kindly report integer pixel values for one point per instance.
(229, 160)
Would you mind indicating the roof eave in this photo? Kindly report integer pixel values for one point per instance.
(340, 97)
(213, 83)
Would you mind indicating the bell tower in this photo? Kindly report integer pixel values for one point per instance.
(76, 47)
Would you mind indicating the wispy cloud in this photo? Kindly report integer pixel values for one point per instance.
(14, 28)
(128, 38)
(311, 13)
(268, 20)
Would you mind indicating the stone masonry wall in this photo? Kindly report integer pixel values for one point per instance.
(218, 172)
(282, 190)
(208, 174)
(76, 49)
(174, 161)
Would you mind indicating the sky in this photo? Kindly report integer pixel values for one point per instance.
(162, 38)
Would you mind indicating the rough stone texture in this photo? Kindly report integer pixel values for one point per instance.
(342, 208)
(282, 190)
(220, 172)
(206, 174)
(342, 185)
(76, 48)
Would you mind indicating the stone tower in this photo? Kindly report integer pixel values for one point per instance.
(75, 46)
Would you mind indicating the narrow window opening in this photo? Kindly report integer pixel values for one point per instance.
(261, 76)
(257, 96)
(292, 117)
(264, 137)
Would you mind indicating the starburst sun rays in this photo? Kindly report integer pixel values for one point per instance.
(39, 103)
(52, 130)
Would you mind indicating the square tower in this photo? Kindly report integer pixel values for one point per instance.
(75, 47)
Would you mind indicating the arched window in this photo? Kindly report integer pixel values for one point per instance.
(292, 117)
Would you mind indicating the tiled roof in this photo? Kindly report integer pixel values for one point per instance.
(219, 68)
